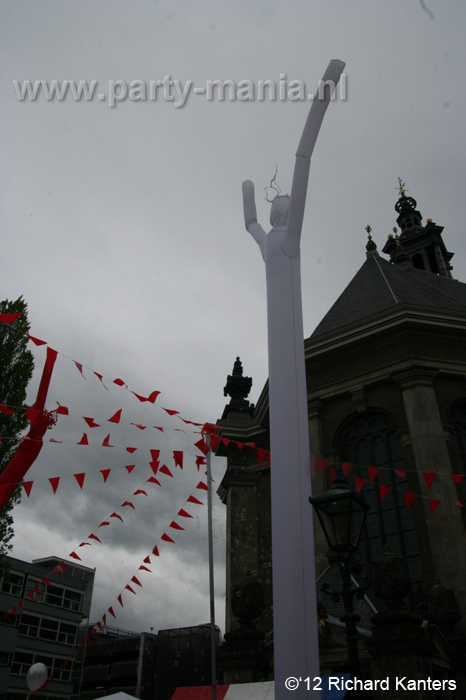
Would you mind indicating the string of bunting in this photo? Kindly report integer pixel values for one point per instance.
(384, 489)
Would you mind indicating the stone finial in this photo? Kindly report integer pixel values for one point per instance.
(237, 386)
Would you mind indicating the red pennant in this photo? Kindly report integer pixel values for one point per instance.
(201, 446)
(268, 459)
(184, 514)
(127, 503)
(225, 441)
(20, 605)
(170, 411)
(83, 544)
(104, 619)
(80, 478)
(373, 471)
(128, 587)
(409, 498)
(240, 444)
(136, 581)
(320, 465)
(94, 537)
(131, 450)
(155, 454)
(346, 467)
(166, 538)
(91, 422)
(54, 481)
(153, 396)
(120, 600)
(434, 504)
(62, 410)
(75, 556)
(52, 440)
(178, 457)
(105, 473)
(165, 470)
(129, 468)
(175, 526)
(147, 560)
(214, 440)
(384, 490)
(104, 523)
(27, 486)
(99, 625)
(202, 486)
(156, 551)
(84, 440)
(193, 499)
(7, 411)
(144, 568)
(260, 455)
(429, 477)
(457, 478)
(136, 493)
(115, 515)
(101, 379)
(157, 428)
(9, 318)
(110, 610)
(119, 382)
(401, 473)
(106, 442)
(153, 480)
(200, 461)
(138, 425)
(459, 504)
(154, 466)
(80, 367)
(359, 483)
(36, 341)
(47, 582)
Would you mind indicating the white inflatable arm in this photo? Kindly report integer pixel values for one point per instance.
(303, 157)
(250, 215)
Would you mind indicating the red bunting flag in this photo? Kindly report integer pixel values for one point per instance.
(346, 467)
(129, 468)
(119, 382)
(127, 503)
(131, 450)
(175, 526)
(147, 560)
(54, 481)
(193, 499)
(62, 410)
(91, 422)
(115, 515)
(104, 619)
(434, 504)
(106, 441)
(156, 551)
(157, 428)
(225, 441)
(409, 498)
(80, 367)
(200, 461)
(184, 514)
(155, 454)
(104, 523)
(136, 493)
(94, 537)
(84, 440)
(165, 470)
(9, 318)
(20, 604)
(178, 457)
(429, 478)
(240, 444)
(320, 465)
(214, 440)
(58, 441)
(401, 473)
(154, 466)
(268, 459)
(138, 425)
(99, 625)
(260, 455)
(128, 587)
(457, 478)
(27, 486)
(151, 398)
(105, 473)
(101, 379)
(202, 486)
(384, 490)
(144, 568)
(75, 556)
(47, 582)
(120, 600)
(458, 503)
(7, 411)
(153, 480)
(359, 483)
(110, 610)
(373, 471)
(166, 538)
(80, 478)
(201, 446)
(170, 411)
(136, 581)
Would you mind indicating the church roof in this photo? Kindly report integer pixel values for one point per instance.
(380, 285)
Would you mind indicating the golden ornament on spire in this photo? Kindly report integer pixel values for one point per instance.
(401, 187)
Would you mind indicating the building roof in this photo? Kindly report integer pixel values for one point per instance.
(380, 285)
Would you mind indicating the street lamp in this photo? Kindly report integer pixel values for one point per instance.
(342, 514)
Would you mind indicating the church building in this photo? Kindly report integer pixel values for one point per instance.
(386, 388)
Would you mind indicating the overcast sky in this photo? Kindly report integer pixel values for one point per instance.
(122, 228)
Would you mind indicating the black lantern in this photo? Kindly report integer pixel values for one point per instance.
(342, 514)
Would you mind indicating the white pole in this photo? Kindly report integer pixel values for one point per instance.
(213, 648)
(296, 644)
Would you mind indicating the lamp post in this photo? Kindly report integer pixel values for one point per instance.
(342, 514)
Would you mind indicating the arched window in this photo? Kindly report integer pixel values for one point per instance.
(370, 440)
